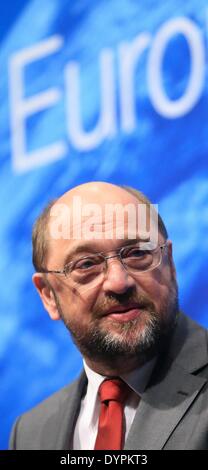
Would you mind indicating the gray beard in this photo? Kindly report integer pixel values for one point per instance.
(97, 344)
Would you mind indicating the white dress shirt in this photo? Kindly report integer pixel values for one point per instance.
(86, 427)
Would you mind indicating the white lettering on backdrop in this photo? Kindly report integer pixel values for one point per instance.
(109, 121)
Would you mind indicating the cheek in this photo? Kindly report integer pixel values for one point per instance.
(161, 296)
(156, 285)
(75, 304)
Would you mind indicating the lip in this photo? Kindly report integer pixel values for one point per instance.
(124, 308)
(125, 312)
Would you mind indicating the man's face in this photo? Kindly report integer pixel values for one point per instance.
(119, 314)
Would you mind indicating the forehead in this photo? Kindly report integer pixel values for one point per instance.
(99, 225)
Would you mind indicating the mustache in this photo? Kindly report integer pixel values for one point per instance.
(122, 300)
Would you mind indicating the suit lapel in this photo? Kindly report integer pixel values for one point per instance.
(162, 406)
(172, 389)
(66, 418)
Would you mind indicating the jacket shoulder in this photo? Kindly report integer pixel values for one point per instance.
(38, 428)
(189, 345)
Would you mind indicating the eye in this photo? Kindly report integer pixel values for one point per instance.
(87, 263)
(135, 253)
(84, 264)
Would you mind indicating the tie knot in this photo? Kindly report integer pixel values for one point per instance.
(114, 389)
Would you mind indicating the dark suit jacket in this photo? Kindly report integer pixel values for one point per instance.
(172, 414)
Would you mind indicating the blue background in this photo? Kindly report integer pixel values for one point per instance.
(164, 157)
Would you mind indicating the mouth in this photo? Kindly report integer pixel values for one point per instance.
(125, 313)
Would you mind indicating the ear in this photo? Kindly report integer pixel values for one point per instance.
(170, 258)
(46, 294)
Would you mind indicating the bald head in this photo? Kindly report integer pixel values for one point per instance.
(83, 199)
(98, 192)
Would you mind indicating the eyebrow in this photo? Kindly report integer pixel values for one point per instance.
(78, 249)
(89, 248)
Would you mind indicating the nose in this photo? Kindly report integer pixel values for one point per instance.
(117, 279)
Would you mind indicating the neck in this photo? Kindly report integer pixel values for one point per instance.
(114, 369)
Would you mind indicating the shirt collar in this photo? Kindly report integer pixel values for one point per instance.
(136, 379)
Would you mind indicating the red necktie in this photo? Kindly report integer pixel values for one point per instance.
(112, 394)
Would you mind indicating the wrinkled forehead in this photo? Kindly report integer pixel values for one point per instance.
(100, 223)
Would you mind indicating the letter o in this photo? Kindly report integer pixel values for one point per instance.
(162, 104)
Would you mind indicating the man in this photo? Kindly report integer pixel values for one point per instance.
(112, 281)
